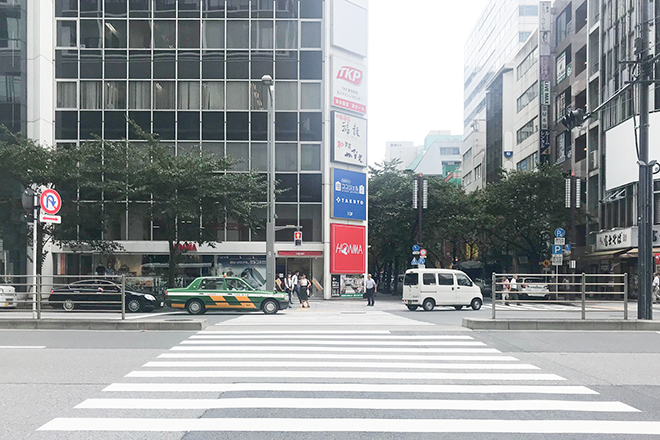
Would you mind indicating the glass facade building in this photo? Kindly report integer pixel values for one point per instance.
(190, 71)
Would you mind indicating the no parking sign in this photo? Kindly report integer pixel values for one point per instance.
(51, 203)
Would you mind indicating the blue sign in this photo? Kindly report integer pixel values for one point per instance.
(508, 154)
(416, 248)
(414, 262)
(349, 195)
(560, 233)
(567, 248)
(557, 249)
(422, 261)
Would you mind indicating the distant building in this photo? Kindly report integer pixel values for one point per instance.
(489, 47)
(405, 151)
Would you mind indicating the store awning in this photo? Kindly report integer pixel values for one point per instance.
(634, 252)
(607, 253)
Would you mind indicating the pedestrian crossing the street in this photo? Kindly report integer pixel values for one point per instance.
(222, 384)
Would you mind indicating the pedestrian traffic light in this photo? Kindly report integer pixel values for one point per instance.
(297, 238)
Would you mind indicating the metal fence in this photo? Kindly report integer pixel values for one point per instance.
(579, 290)
(64, 293)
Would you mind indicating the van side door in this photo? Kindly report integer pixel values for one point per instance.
(429, 286)
(446, 289)
(465, 289)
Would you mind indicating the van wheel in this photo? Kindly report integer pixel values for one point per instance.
(458, 307)
(428, 304)
(412, 308)
(476, 303)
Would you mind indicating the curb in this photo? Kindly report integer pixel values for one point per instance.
(560, 324)
(61, 324)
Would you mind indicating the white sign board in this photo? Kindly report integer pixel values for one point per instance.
(545, 16)
(349, 139)
(349, 85)
(557, 259)
(560, 241)
(350, 25)
(49, 218)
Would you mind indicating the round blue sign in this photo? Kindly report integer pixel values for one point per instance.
(422, 261)
(560, 233)
(415, 248)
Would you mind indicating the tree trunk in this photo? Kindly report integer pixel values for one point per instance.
(171, 272)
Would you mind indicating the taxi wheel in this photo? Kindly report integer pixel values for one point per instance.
(428, 304)
(412, 308)
(476, 303)
(195, 307)
(270, 307)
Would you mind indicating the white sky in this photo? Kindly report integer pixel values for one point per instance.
(416, 69)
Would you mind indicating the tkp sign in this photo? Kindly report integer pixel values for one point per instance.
(347, 249)
(349, 85)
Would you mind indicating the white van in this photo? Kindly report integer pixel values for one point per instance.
(440, 287)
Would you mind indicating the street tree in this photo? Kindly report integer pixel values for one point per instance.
(192, 196)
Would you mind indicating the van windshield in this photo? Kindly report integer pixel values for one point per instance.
(411, 279)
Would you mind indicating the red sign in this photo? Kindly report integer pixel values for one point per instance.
(50, 201)
(300, 253)
(297, 235)
(657, 258)
(350, 74)
(185, 247)
(348, 246)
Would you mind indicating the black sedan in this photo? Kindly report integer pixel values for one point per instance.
(102, 294)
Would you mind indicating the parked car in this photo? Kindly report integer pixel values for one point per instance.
(531, 287)
(8, 296)
(102, 294)
(232, 293)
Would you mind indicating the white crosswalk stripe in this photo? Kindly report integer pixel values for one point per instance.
(356, 381)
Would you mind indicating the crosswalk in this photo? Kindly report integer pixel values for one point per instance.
(376, 383)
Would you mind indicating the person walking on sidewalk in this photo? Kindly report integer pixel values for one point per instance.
(288, 286)
(296, 287)
(370, 285)
(656, 287)
(303, 292)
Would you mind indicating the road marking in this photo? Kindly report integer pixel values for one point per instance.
(342, 337)
(355, 425)
(370, 343)
(378, 404)
(400, 375)
(266, 348)
(327, 364)
(409, 357)
(348, 388)
(297, 332)
(9, 347)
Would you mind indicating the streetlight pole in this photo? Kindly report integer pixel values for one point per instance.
(645, 189)
(267, 81)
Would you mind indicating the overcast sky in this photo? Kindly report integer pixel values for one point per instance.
(416, 69)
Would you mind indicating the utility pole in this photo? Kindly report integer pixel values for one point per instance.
(645, 190)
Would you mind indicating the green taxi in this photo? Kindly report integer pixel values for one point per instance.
(226, 293)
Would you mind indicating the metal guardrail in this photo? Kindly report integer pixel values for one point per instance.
(65, 292)
(574, 289)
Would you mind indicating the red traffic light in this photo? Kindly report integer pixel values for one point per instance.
(297, 235)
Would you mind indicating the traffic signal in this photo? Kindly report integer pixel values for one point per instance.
(573, 118)
(297, 238)
(27, 199)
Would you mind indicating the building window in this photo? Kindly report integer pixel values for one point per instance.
(66, 92)
(478, 172)
(563, 24)
(526, 131)
(528, 96)
(523, 36)
(528, 10)
(467, 155)
(527, 63)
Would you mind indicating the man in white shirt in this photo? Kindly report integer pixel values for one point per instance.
(656, 286)
(370, 285)
(514, 288)
(296, 286)
(288, 286)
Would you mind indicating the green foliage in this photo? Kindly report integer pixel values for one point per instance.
(515, 216)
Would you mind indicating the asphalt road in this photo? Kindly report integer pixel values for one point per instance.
(336, 370)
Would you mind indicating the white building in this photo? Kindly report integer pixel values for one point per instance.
(405, 151)
(502, 29)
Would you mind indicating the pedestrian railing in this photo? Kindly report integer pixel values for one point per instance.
(580, 292)
(44, 294)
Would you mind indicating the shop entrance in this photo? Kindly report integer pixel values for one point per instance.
(310, 266)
